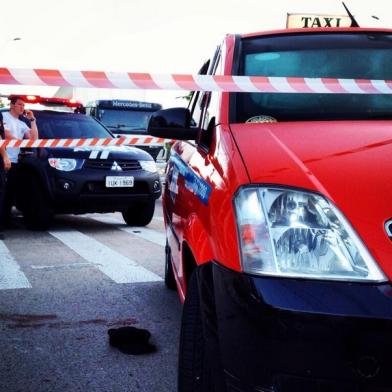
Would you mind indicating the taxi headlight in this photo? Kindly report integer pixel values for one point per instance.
(149, 166)
(290, 233)
(65, 164)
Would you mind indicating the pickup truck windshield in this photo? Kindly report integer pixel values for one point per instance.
(55, 125)
(316, 55)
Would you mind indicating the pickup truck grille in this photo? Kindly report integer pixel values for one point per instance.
(105, 164)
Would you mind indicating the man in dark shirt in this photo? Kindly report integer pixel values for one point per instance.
(5, 164)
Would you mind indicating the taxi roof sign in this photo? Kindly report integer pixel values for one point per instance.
(299, 21)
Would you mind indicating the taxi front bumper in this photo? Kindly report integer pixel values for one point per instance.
(287, 335)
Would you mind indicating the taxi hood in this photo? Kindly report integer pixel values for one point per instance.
(349, 162)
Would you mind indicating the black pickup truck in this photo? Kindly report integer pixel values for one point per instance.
(78, 180)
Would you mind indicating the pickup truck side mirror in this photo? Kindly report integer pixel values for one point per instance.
(174, 123)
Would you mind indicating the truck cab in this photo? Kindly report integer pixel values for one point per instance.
(126, 118)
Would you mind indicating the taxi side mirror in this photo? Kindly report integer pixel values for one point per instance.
(174, 123)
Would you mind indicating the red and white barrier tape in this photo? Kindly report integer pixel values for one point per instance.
(29, 143)
(145, 81)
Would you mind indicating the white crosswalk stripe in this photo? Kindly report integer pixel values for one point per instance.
(116, 266)
(141, 232)
(11, 276)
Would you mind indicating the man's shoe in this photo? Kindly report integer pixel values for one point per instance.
(2, 236)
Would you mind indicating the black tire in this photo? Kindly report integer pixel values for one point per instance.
(37, 212)
(193, 372)
(170, 280)
(139, 214)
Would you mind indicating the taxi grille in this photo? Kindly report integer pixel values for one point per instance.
(107, 164)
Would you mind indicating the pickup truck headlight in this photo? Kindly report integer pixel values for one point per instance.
(65, 164)
(149, 166)
(291, 233)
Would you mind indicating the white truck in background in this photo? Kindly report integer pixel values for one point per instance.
(130, 118)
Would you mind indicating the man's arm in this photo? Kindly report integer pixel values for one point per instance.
(3, 152)
(4, 156)
(33, 132)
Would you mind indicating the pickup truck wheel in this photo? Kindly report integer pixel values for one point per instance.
(139, 214)
(193, 372)
(37, 211)
(170, 280)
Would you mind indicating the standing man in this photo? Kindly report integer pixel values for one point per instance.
(5, 164)
(15, 128)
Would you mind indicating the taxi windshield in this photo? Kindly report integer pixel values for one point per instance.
(315, 55)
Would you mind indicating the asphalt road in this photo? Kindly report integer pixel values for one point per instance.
(60, 292)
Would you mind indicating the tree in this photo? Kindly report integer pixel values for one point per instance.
(187, 97)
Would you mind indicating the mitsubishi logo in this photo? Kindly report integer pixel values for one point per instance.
(116, 166)
(388, 228)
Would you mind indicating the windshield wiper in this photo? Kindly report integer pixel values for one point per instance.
(125, 127)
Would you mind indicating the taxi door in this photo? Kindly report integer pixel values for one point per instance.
(189, 186)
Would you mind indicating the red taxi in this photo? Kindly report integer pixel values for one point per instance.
(278, 214)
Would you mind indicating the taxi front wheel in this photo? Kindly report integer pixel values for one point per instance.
(194, 374)
(139, 213)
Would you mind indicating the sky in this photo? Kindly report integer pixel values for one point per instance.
(150, 36)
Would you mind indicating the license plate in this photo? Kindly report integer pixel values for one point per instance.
(119, 182)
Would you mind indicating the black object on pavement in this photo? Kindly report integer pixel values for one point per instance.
(131, 340)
